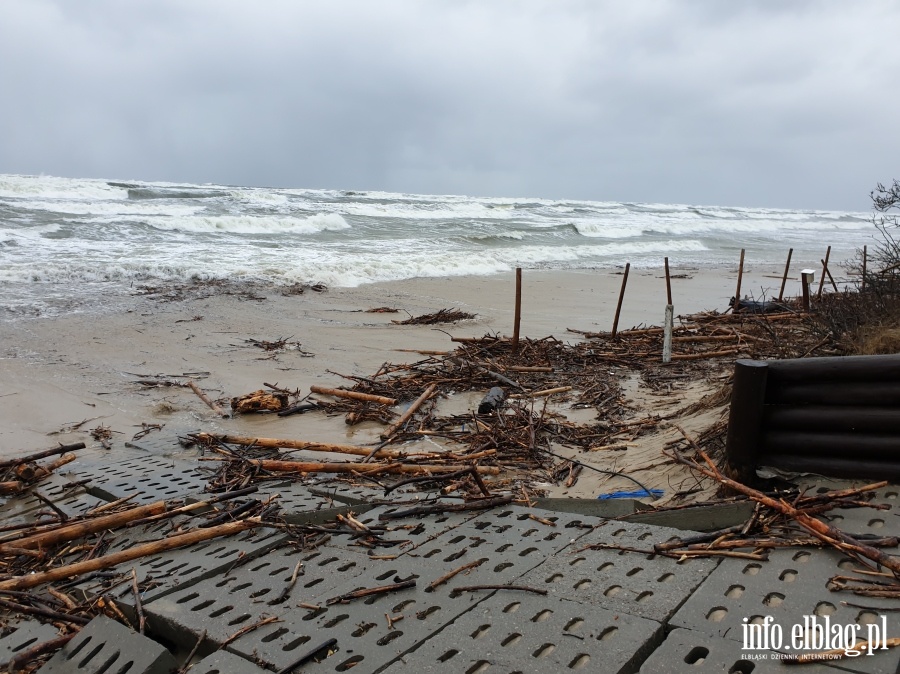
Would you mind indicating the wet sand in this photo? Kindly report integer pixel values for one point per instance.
(80, 369)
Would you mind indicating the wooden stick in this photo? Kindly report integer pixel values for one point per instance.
(529, 368)
(520, 588)
(70, 532)
(787, 266)
(737, 292)
(11, 487)
(277, 466)
(29, 656)
(668, 283)
(98, 563)
(621, 297)
(200, 394)
(407, 415)
(300, 444)
(447, 576)
(518, 311)
(62, 449)
(549, 392)
(139, 609)
(197, 505)
(864, 260)
(369, 591)
(353, 395)
(32, 472)
(824, 270)
(706, 354)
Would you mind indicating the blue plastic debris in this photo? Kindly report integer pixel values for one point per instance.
(641, 493)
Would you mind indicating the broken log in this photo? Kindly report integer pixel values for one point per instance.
(353, 395)
(30, 472)
(407, 415)
(98, 563)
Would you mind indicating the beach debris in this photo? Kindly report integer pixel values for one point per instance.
(353, 395)
(103, 435)
(442, 316)
(209, 403)
(493, 400)
(382, 310)
(146, 429)
(259, 401)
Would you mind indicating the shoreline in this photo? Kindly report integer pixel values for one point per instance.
(61, 377)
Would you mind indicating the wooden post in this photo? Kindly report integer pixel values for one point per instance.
(668, 284)
(737, 292)
(621, 297)
(865, 255)
(804, 283)
(518, 313)
(787, 266)
(667, 333)
(824, 271)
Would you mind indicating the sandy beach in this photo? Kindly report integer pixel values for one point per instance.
(61, 377)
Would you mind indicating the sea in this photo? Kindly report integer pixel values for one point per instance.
(70, 245)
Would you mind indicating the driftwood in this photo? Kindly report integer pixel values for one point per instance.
(210, 438)
(278, 466)
(353, 395)
(407, 415)
(70, 532)
(28, 656)
(31, 472)
(34, 579)
(209, 403)
(62, 449)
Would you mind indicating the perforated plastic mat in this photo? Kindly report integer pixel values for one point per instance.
(166, 572)
(72, 498)
(22, 635)
(105, 646)
(699, 653)
(223, 662)
(790, 586)
(518, 632)
(146, 477)
(647, 585)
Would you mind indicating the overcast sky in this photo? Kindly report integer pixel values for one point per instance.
(777, 103)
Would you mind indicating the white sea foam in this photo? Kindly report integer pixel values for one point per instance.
(17, 186)
(252, 224)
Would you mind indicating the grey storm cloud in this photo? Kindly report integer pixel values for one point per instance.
(752, 103)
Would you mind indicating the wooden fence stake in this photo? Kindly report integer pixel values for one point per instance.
(621, 297)
(667, 333)
(787, 266)
(668, 283)
(737, 292)
(824, 271)
(518, 313)
(865, 255)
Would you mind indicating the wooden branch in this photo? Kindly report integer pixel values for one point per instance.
(277, 466)
(300, 444)
(200, 394)
(706, 354)
(519, 588)
(447, 576)
(407, 415)
(353, 395)
(370, 591)
(98, 563)
(29, 656)
(70, 532)
(62, 449)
